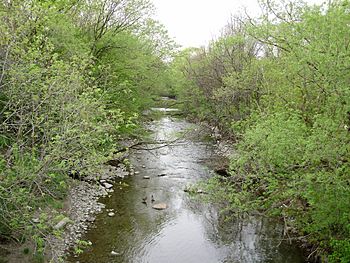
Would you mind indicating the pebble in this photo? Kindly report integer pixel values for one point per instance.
(146, 177)
(113, 253)
(111, 214)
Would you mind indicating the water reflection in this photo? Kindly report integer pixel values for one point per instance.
(189, 230)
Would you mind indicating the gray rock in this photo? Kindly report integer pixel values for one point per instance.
(90, 219)
(111, 214)
(36, 220)
(146, 177)
(62, 223)
(107, 185)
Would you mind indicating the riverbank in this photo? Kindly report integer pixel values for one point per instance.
(80, 208)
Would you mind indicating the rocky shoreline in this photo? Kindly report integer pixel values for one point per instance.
(81, 208)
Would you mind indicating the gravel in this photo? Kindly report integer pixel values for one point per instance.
(82, 207)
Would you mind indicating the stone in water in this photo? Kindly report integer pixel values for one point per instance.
(160, 206)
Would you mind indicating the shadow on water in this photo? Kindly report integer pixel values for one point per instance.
(188, 230)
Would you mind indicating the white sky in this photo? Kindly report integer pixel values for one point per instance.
(196, 22)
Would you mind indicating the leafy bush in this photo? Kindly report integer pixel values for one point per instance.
(72, 86)
(281, 84)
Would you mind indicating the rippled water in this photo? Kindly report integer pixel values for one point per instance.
(188, 230)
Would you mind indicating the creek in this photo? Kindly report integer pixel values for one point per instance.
(188, 230)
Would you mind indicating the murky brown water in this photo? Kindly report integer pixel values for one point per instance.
(188, 230)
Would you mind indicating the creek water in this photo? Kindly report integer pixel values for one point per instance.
(189, 230)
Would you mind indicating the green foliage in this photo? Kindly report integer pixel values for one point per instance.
(280, 84)
(285, 132)
(341, 251)
(74, 78)
(80, 245)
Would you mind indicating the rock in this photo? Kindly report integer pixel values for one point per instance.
(36, 220)
(113, 253)
(137, 172)
(62, 223)
(107, 185)
(161, 175)
(90, 219)
(160, 206)
(143, 166)
(111, 214)
(146, 177)
(200, 191)
(223, 171)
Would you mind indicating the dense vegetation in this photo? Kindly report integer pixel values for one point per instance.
(280, 85)
(76, 74)
(74, 77)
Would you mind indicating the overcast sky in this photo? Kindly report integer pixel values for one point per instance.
(196, 22)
